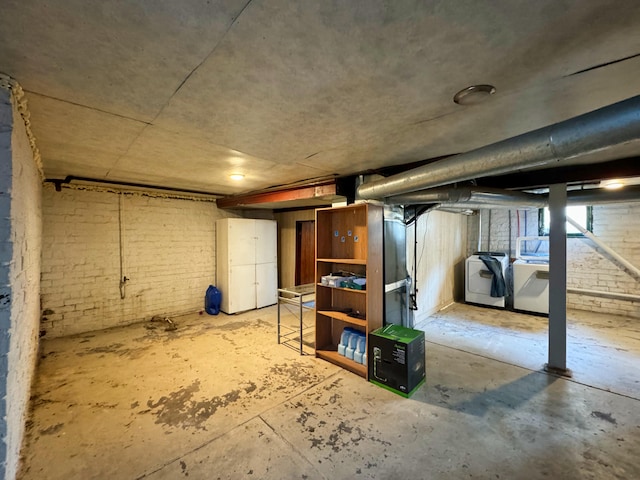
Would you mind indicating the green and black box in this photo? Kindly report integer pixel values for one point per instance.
(396, 359)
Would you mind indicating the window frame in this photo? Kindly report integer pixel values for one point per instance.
(589, 225)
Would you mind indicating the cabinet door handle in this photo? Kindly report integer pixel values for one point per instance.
(486, 274)
(542, 275)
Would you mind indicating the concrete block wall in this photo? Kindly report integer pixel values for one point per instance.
(587, 267)
(20, 243)
(92, 239)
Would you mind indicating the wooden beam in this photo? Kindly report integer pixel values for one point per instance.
(279, 196)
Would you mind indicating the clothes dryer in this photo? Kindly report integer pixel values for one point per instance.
(478, 279)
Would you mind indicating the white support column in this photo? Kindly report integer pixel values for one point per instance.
(558, 281)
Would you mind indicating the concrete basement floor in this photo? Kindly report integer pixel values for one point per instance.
(219, 398)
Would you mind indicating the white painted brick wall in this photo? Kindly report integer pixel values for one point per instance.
(20, 214)
(495, 229)
(6, 256)
(168, 254)
(587, 267)
(591, 268)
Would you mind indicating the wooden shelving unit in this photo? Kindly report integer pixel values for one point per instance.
(348, 239)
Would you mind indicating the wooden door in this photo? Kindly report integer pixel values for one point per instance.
(305, 251)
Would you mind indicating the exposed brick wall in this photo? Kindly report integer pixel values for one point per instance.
(168, 255)
(20, 196)
(496, 225)
(587, 267)
(591, 268)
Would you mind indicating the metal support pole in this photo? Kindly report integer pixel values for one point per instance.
(301, 324)
(278, 319)
(558, 281)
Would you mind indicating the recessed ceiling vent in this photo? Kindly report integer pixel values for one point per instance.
(474, 94)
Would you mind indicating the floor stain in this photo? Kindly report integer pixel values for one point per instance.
(179, 409)
(295, 373)
(344, 428)
(316, 442)
(607, 417)
(335, 384)
(344, 436)
(304, 416)
(229, 340)
(37, 401)
(113, 348)
(234, 326)
(52, 429)
(116, 349)
(443, 390)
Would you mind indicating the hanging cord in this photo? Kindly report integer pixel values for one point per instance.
(413, 295)
(489, 232)
(416, 261)
(123, 279)
(509, 233)
(413, 285)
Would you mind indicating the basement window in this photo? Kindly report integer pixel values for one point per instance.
(583, 215)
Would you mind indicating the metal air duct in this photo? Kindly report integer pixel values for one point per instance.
(599, 196)
(465, 196)
(598, 130)
(477, 198)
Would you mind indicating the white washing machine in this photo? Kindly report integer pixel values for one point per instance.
(478, 280)
(531, 275)
(531, 286)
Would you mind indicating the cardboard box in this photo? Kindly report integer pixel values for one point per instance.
(397, 359)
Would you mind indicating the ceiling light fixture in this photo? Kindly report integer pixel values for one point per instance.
(474, 94)
(612, 184)
(236, 176)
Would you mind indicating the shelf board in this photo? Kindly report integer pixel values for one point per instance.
(344, 317)
(330, 354)
(350, 261)
(343, 289)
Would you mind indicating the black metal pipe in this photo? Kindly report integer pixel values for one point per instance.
(70, 178)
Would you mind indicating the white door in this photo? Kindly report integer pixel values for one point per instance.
(266, 241)
(242, 241)
(266, 284)
(242, 288)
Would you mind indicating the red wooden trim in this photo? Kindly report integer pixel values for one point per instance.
(297, 193)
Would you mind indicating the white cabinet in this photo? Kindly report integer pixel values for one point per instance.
(246, 263)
